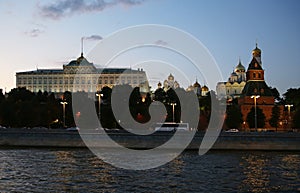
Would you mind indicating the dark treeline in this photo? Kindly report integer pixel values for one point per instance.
(22, 108)
(292, 97)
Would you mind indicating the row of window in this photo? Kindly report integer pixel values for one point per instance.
(83, 77)
(258, 75)
(78, 81)
(63, 89)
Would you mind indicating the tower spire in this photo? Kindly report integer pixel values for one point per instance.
(256, 44)
(82, 46)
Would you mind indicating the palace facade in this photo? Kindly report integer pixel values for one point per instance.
(80, 75)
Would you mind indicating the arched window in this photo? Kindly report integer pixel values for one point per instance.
(254, 75)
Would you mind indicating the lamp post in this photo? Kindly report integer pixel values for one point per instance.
(64, 112)
(173, 105)
(255, 114)
(99, 100)
(289, 112)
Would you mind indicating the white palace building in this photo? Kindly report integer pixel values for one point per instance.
(79, 75)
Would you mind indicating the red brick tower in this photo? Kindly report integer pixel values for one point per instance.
(256, 90)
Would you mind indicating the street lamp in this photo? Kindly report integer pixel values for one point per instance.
(173, 104)
(289, 111)
(143, 99)
(64, 112)
(255, 114)
(99, 99)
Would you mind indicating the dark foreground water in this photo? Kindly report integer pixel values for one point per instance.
(78, 170)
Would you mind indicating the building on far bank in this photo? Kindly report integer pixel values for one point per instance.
(196, 87)
(235, 84)
(79, 75)
(169, 83)
(257, 87)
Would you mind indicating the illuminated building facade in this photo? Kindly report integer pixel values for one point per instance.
(79, 75)
(170, 83)
(234, 86)
(200, 91)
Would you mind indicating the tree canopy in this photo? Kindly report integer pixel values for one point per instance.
(260, 118)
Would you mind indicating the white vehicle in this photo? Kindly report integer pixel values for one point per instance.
(232, 131)
(170, 126)
(73, 129)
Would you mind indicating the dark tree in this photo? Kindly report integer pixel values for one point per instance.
(160, 95)
(234, 117)
(107, 117)
(275, 94)
(106, 98)
(296, 119)
(275, 116)
(20, 94)
(292, 97)
(260, 118)
(7, 113)
(54, 111)
(139, 105)
(67, 97)
(172, 99)
(205, 111)
(2, 97)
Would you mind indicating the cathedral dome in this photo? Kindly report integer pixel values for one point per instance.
(204, 88)
(234, 74)
(170, 77)
(159, 84)
(239, 68)
(196, 84)
(256, 52)
(80, 61)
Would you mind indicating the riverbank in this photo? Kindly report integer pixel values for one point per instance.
(226, 141)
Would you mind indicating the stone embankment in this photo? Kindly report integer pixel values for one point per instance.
(71, 139)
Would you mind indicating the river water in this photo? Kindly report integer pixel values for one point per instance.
(78, 170)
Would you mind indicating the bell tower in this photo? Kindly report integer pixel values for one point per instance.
(256, 87)
(255, 71)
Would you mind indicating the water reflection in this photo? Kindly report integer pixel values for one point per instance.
(270, 172)
(78, 170)
(257, 178)
(289, 167)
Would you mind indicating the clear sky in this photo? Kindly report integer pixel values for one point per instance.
(46, 34)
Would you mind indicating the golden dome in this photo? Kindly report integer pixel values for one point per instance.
(239, 67)
(204, 88)
(256, 52)
(170, 77)
(196, 84)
